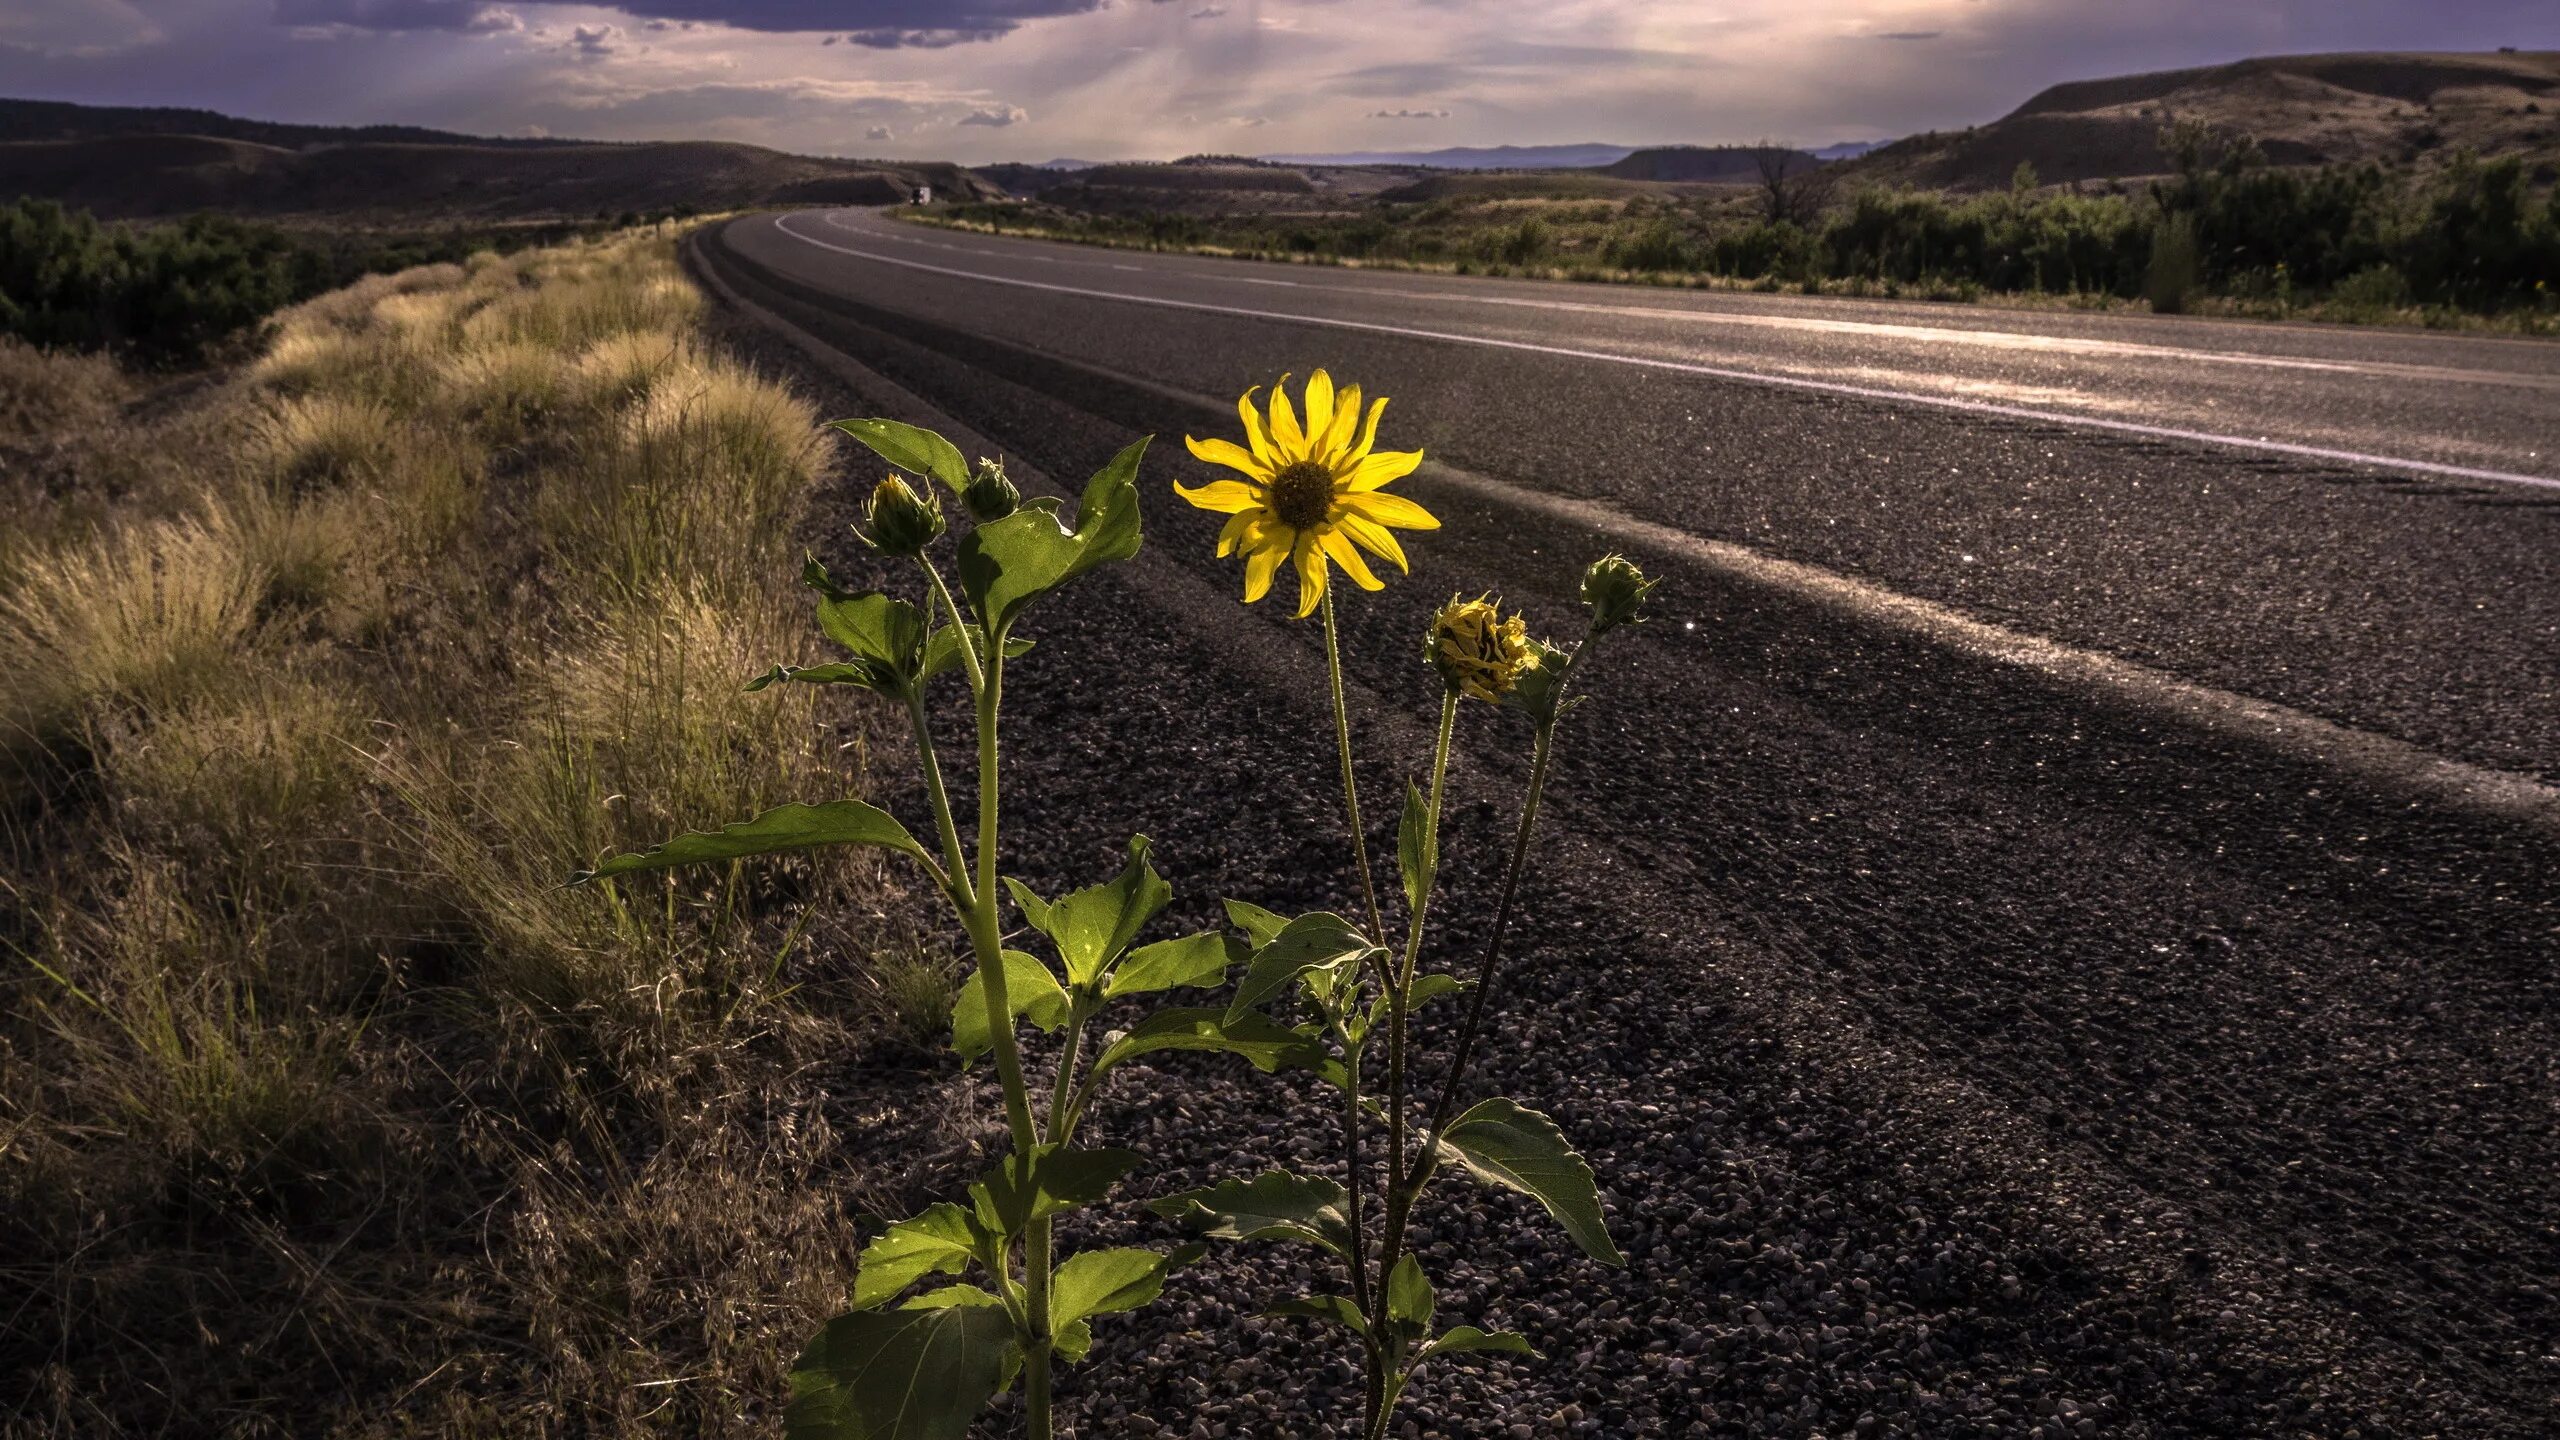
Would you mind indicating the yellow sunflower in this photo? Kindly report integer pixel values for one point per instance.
(1310, 496)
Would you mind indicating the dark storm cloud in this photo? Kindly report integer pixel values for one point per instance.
(886, 24)
(920, 39)
(457, 15)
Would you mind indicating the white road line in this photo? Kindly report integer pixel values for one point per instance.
(2378, 759)
(1721, 372)
(1944, 335)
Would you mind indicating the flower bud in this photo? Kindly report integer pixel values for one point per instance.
(1614, 589)
(1477, 649)
(900, 521)
(990, 496)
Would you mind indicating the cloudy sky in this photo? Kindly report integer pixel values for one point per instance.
(979, 80)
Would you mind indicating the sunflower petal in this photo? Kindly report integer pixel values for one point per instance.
(1345, 554)
(1309, 557)
(1392, 510)
(1377, 539)
(1288, 442)
(1254, 439)
(1383, 468)
(1228, 453)
(1319, 409)
(1262, 561)
(1346, 423)
(1368, 434)
(1238, 529)
(1227, 497)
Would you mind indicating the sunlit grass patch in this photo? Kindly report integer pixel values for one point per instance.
(146, 616)
(705, 470)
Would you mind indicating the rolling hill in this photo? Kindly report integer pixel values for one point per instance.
(135, 164)
(1709, 164)
(2389, 108)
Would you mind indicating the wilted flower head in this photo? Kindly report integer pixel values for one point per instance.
(990, 496)
(1479, 650)
(898, 521)
(1614, 589)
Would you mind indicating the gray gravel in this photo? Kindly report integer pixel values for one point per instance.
(1956, 1058)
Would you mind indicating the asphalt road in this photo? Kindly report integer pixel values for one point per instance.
(2052, 931)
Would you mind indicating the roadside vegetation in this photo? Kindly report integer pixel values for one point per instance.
(2475, 243)
(1328, 993)
(324, 1107)
(171, 294)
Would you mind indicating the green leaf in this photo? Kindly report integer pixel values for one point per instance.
(1029, 989)
(1104, 1282)
(1460, 1339)
(1417, 849)
(1035, 911)
(1258, 924)
(1427, 988)
(1194, 962)
(1073, 1341)
(1272, 1206)
(1506, 1144)
(911, 448)
(950, 1295)
(882, 629)
(780, 829)
(1409, 1299)
(1006, 564)
(898, 1374)
(1318, 940)
(938, 1242)
(1092, 926)
(857, 672)
(942, 649)
(1264, 1042)
(1324, 1307)
(1024, 1188)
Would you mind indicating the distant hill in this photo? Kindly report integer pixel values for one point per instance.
(1711, 164)
(155, 171)
(1465, 157)
(60, 120)
(2392, 108)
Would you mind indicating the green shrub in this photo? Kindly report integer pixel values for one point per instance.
(2171, 277)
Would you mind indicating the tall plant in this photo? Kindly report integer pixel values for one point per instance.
(921, 1367)
(1312, 493)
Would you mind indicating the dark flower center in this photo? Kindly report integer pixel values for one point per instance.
(1302, 495)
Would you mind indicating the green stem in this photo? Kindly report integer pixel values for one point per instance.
(1399, 1007)
(1350, 781)
(1352, 1176)
(959, 622)
(1017, 1095)
(955, 876)
(1493, 948)
(1358, 1258)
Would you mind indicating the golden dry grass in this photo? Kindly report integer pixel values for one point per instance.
(324, 1108)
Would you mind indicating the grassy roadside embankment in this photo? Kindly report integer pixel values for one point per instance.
(323, 1108)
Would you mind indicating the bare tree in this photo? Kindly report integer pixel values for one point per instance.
(1795, 188)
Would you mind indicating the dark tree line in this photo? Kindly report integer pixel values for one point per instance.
(169, 294)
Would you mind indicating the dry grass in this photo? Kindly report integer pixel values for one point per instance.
(43, 392)
(324, 1109)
